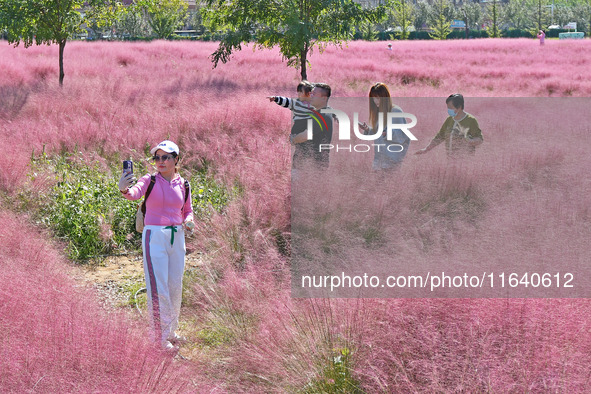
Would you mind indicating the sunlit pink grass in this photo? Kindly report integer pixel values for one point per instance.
(118, 97)
(107, 101)
(55, 337)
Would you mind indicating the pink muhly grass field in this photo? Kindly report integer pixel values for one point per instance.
(119, 97)
(55, 337)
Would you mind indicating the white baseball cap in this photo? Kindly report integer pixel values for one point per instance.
(166, 146)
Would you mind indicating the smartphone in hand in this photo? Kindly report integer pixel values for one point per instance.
(127, 167)
(364, 127)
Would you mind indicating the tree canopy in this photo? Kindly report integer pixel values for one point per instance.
(41, 22)
(164, 16)
(402, 13)
(440, 17)
(296, 26)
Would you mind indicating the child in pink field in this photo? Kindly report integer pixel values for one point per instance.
(541, 36)
(169, 214)
(299, 107)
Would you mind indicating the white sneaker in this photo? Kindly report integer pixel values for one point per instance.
(169, 347)
(175, 338)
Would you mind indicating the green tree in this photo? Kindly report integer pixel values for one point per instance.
(516, 14)
(196, 19)
(586, 6)
(581, 13)
(367, 30)
(439, 21)
(582, 16)
(402, 11)
(540, 8)
(133, 23)
(106, 14)
(563, 14)
(296, 26)
(573, 11)
(164, 16)
(471, 13)
(41, 22)
(421, 14)
(494, 19)
(538, 15)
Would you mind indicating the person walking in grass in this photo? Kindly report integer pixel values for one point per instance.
(169, 213)
(388, 154)
(460, 131)
(542, 36)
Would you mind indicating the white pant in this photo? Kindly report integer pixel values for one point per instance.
(164, 265)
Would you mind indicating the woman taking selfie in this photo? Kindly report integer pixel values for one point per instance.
(168, 214)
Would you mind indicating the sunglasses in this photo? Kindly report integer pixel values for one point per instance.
(161, 158)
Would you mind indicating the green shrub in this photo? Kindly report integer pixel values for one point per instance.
(515, 33)
(336, 376)
(208, 195)
(85, 209)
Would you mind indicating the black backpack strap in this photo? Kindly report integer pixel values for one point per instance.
(150, 187)
(187, 189)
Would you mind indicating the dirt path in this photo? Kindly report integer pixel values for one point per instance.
(118, 278)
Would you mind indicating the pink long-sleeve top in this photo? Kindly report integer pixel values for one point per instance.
(164, 206)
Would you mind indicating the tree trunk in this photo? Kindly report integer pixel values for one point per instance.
(539, 15)
(466, 22)
(304, 52)
(303, 61)
(495, 28)
(62, 45)
(404, 21)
